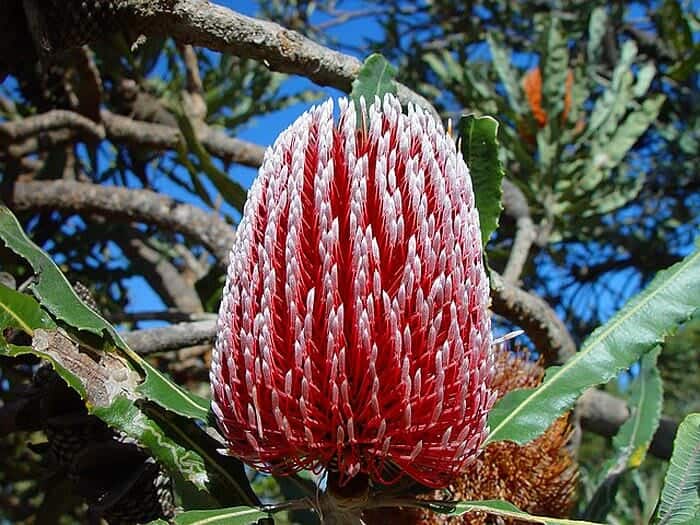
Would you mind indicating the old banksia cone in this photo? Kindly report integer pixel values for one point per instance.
(353, 333)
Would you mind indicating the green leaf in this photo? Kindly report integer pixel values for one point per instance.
(230, 516)
(633, 438)
(479, 146)
(502, 64)
(18, 310)
(226, 479)
(612, 151)
(57, 295)
(670, 299)
(644, 78)
(555, 65)
(680, 71)
(375, 79)
(596, 32)
(508, 510)
(680, 497)
(51, 288)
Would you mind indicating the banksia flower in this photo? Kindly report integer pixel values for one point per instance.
(538, 477)
(353, 333)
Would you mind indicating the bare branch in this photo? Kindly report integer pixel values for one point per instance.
(174, 337)
(516, 206)
(535, 316)
(202, 23)
(18, 130)
(60, 126)
(130, 205)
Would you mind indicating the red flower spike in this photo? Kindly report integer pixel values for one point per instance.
(353, 332)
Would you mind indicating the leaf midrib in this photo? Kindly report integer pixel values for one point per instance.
(604, 334)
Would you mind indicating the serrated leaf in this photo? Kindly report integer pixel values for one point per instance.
(56, 294)
(479, 146)
(680, 497)
(670, 299)
(230, 516)
(508, 510)
(633, 438)
(502, 64)
(375, 79)
(51, 288)
(226, 478)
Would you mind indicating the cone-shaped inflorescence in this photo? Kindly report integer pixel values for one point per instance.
(353, 332)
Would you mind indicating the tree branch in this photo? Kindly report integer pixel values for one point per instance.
(202, 23)
(18, 130)
(535, 316)
(130, 205)
(58, 126)
(515, 205)
(163, 276)
(174, 337)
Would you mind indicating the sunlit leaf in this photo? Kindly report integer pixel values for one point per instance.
(479, 145)
(669, 300)
(680, 498)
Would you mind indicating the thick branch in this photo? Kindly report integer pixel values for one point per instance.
(160, 136)
(130, 205)
(535, 316)
(208, 25)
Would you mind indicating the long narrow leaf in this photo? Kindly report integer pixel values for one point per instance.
(230, 516)
(634, 437)
(508, 510)
(680, 498)
(670, 299)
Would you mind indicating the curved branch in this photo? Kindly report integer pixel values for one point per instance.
(18, 130)
(535, 316)
(202, 23)
(515, 205)
(130, 205)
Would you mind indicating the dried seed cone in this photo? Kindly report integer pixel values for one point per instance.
(353, 329)
(539, 477)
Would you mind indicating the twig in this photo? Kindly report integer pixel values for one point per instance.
(130, 205)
